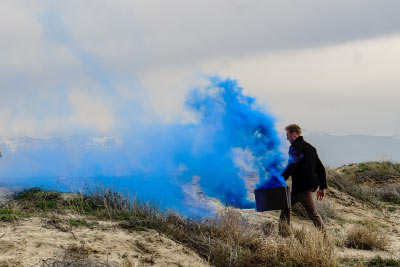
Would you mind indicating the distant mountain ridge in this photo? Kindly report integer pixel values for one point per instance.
(336, 151)
(333, 150)
(15, 145)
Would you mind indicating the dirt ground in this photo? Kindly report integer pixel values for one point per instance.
(37, 241)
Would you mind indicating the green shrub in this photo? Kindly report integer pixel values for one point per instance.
(79, 223)
(47, 204)
(8, 215)
(38, 194)
(377, 171)
(380, 262)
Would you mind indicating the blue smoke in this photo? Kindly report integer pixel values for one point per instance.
(232, 147)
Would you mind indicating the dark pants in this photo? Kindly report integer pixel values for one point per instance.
(306, 199)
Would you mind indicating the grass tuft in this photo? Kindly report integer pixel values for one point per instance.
(380, 262)
(377, 171)
(75, 256)
(371, 182)
(38, 194)
(325, 209)
(80, 223)
(366, 237)
(9, 215)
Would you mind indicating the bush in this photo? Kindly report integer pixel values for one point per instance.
(75, 256)
(368, 182)
(303, 247)
(38, 194)
(390, 193)
(377, 171)
(380, 262)
(347, 184)
(366, 237)
(37, 198)
(365, 193)
(8, 215)
(325, 210)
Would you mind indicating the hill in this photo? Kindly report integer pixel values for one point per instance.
(104, 228)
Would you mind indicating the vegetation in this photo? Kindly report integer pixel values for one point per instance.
(224, 240)
(356, 262)
(380, 262)
(7, 215)
(227, 239)
(372, 182)
(366, 237)
(381, 171)
(80, 223)
(325, 210)
(76, 256)
(38, 194)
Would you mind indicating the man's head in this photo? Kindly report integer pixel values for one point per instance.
(292, 132)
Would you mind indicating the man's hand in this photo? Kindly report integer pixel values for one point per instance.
(320, 194)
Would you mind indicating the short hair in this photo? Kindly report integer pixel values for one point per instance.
(293, 128)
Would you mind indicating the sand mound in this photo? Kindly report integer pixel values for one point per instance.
(39, 242)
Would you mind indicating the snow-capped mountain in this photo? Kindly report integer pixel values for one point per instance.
(16, 145)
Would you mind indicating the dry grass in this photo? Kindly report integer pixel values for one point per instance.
(389, 193)
(303, 247)
(377, 171)
(366, 237)
(228, 240)
(224, 240)
(325, 209)
(347, 184)
(75, 256)
(366, 182)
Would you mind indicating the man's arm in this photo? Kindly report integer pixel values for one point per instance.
(321, 174)
(294, 157)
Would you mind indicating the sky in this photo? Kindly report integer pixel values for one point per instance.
(96, 66)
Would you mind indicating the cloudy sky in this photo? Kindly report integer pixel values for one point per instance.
(93, 66)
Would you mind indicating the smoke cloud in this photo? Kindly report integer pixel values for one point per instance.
(231, 147)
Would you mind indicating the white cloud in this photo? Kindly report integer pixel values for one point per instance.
(91, 110)
(342, 89)
(21, 39)
(146, 52)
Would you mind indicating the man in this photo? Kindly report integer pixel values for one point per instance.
(308, 175)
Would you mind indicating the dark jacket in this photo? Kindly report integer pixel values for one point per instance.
(305, 167)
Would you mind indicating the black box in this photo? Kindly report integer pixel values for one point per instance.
(277, 198)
